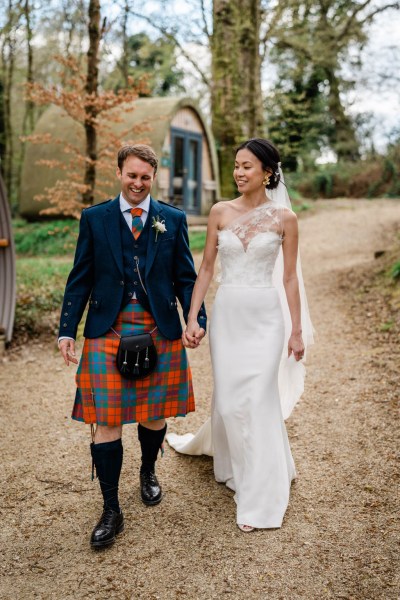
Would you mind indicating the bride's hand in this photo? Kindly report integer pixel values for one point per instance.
(192, 335)
(296, 346)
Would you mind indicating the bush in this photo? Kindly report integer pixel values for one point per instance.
(40, 288)
(371, 178)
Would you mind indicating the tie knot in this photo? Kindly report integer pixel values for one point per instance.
(136, 212)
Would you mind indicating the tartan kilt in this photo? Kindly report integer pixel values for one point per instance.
(104, 397)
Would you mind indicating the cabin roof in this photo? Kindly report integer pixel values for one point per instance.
(151, 116)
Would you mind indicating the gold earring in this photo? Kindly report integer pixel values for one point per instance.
(266, 180)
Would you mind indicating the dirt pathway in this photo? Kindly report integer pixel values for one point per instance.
(338, 539)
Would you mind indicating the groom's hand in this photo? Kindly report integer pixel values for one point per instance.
(192, 335)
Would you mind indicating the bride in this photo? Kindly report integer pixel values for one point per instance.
(256, 338)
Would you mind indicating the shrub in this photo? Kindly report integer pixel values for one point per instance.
(40, 288)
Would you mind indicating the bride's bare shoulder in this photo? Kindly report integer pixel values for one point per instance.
(223, 206)
(223, 211)
(288, 215)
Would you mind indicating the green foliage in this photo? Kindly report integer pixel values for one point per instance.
(296, 114)
(313, 41)
(49, 238)
(298, 208)
(375, 176)
(40, 288)
(154, 59)
(387, 326)
(395, 271)
(197, 240)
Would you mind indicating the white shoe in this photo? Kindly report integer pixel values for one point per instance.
(246, 528)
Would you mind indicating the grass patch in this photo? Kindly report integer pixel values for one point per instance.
(40, 289)
(395, 271)
(298, 208)
(58, 237)
(197, 240)
(50, 238)
(388, 325)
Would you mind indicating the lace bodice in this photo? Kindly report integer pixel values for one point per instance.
(248, 247)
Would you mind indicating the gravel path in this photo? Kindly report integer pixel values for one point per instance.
(338, 539)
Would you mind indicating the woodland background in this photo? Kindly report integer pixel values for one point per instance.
(286, 70)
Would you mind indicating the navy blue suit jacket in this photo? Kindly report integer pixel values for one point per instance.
(97, 276)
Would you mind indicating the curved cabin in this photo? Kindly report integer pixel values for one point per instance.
(174, 127)
(7, 271)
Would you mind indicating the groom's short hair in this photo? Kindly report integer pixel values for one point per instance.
(142, 151)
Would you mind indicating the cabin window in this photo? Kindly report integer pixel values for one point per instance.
(185, 181)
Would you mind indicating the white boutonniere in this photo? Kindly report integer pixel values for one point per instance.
(158, 226)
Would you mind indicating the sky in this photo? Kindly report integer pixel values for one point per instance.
(382, 54)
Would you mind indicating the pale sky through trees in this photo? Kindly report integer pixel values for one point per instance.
(376, 89)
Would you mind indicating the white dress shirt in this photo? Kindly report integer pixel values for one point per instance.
(126, 209)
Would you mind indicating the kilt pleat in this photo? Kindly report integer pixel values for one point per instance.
(104, 397)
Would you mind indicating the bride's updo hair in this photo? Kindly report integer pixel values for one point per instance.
(268, 155)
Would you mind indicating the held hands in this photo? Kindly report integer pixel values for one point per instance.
(192, 335)
(67, 349)
(296, 346)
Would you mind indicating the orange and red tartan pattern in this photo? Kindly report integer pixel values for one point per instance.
(104, 397)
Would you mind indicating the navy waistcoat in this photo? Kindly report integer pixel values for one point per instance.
(132, 248)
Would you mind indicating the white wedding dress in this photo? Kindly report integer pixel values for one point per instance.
(255, 384)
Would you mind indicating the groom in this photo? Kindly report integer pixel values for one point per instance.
(132, 264)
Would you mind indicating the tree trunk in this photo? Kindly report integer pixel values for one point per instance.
(91, 109)
(250, 69)
(124, 62)
(28, 122)
(236, 102)
(8, 63)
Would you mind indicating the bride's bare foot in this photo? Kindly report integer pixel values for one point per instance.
(245, 528)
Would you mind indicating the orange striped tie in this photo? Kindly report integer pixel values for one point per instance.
(137, 224)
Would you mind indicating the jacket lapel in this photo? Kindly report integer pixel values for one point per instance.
(157, 213)
(112, 227)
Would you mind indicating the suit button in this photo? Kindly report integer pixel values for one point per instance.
(135, 258)
(69, 303)
(65, 325)
(136, 245)
(135, 283)
(65, 314)
(130, 294)
(121, 283)
(135, 270)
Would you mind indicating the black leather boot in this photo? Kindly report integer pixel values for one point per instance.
(150, 442)
(109, 526)
(107, 458)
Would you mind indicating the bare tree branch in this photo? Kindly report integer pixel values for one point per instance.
(270, 30)
(351, 19)
(371, 15)
(204, 18)
(173, 39)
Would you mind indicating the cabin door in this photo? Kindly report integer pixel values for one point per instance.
(185, 181)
